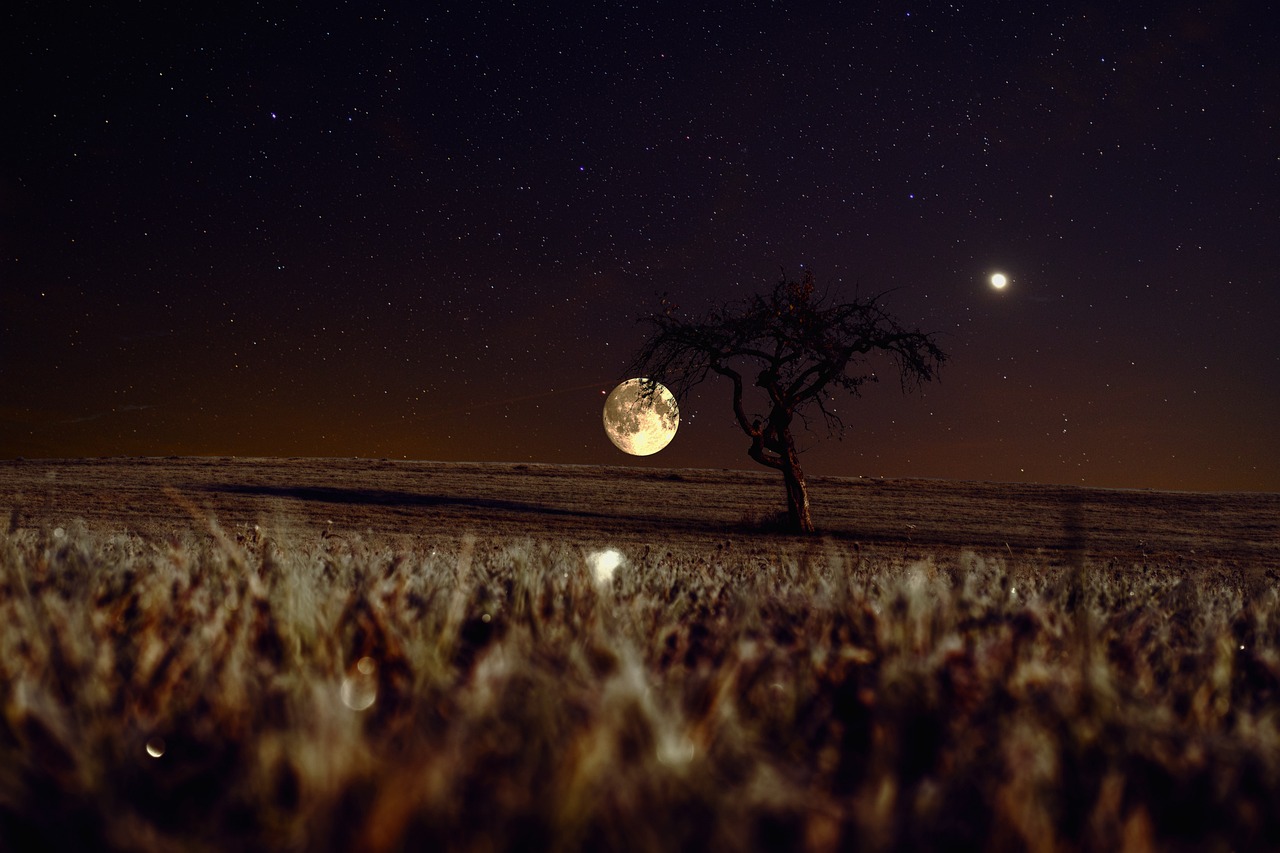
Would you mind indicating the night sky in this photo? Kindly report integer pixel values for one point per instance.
(427, 232)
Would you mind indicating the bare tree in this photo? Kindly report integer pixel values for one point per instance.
(798, 348)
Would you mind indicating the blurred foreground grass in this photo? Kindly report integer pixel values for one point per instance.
(261, 691)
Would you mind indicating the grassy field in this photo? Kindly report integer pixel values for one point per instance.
(259, 677)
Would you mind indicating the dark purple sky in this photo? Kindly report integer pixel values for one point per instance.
(401, 231)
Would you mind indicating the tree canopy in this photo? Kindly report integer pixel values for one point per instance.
(797, 348)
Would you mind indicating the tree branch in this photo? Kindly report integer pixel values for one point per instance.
(799, 346)
(738, 411)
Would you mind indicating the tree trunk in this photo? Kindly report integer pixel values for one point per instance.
(797, 495)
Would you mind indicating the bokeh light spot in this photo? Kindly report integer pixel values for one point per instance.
(360, 688)
(604, 563)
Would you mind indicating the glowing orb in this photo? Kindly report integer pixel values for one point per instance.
(155, 747)
(604, 564)
(637, 424)
(675, 750)
(999, 280)
(360, 688)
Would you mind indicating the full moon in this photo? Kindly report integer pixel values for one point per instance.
(999, 280)
(637, 425)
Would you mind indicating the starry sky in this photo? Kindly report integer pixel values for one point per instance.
(426, 230)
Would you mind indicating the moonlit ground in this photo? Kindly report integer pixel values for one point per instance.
(747, 694)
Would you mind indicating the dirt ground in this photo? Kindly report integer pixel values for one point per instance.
(634, 507)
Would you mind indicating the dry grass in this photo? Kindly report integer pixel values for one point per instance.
(800, 699)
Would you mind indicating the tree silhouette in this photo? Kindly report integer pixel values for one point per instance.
(798, 348)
